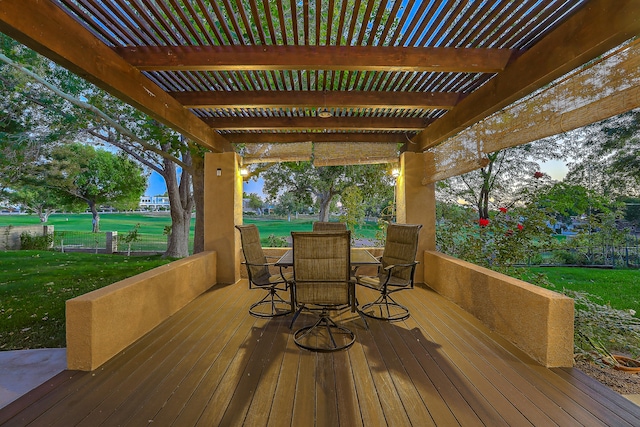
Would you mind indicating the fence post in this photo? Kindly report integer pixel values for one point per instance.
(48, 230)
(112, 242)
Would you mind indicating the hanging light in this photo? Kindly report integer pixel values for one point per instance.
(395, 172)
(324, 113)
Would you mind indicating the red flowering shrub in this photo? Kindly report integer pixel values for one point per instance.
(483, 222)
(520, 227)
(503, 210)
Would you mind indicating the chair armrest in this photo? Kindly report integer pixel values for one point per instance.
(268, 264)
(392, 266)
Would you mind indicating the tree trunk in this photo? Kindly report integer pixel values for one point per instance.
(181, 205)
(95, 221)
(324, 200)
(198, 196)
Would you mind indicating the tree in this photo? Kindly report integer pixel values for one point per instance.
(354, 209)
(37, 199)
(505, 181)
(289, 203)
(255, 202)
(79, 111)
(322, 184)
(97, 177)
(608, 157)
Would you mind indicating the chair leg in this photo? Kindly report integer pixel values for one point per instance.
(331, 327)
(389, 309)
(276, 306)
(295, 316)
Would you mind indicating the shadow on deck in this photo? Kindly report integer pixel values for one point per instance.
(213, 364)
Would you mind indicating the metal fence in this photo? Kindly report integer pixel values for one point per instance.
(82, 241)
(595, 256)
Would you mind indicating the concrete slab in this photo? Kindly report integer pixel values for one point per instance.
(23, 370)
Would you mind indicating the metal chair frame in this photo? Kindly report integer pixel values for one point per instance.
(277, 305)
(387, 282)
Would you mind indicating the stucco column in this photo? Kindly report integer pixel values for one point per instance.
(223, 210)
(416, 204)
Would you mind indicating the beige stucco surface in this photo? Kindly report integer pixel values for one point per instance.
(104, 322)
(416, 203)
(536, 320)
(222, 211)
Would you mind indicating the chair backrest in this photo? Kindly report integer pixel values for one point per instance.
(401, 247)
(329, 226)
(321, 267)
(253, 253)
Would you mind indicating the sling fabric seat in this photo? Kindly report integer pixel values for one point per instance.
(396, 271)
(329, 226)
(260, 276)
(322, 282)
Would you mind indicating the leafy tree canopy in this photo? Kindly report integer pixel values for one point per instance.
(322, 184)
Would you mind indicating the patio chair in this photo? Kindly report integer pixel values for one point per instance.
(321, 269)
(260, 277)
(396, 271)
(329, 226)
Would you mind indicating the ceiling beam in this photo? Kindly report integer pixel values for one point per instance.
(45, 28)
(310, 99)
(315, 123)
(275, 137)
(594, 29)
(361, 58)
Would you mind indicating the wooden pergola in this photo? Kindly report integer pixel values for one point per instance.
(434, 85)
(410, 73)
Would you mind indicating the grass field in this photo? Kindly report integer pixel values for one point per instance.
(154, 223)
(618, 288)
(35, 285)
(150, 223)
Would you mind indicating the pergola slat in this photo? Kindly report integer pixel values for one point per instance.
(306, 123)
(591, 31)
(303, 98)
(280, 137)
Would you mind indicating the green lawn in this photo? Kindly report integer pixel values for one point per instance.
(34, 286)
(283, 227)
(150, 223)
(619, 288)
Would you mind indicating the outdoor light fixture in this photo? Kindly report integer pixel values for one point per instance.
(324, 113)
(219, 172)
(395, 172)
(244, 171)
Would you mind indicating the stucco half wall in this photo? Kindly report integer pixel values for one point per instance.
(104, 322)
(536, 320)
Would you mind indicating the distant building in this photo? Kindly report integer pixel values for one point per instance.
(154, 203)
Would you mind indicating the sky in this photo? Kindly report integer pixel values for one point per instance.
(157, 187)
(555, 168)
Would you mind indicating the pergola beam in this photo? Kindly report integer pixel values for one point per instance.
(594, 29)
(309, 99)
(276, 137)
(315, 123)
(48, 30)
(344, 58)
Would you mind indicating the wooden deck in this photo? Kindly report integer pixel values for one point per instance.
(213, 364)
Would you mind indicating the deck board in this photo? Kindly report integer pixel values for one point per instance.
(214, 364)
